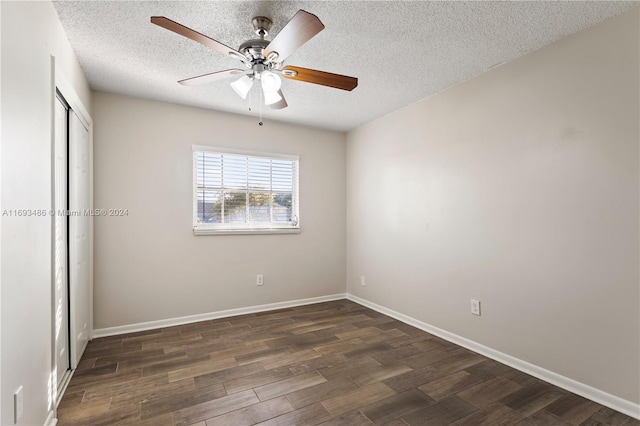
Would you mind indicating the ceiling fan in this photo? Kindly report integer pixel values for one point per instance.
(263, 59)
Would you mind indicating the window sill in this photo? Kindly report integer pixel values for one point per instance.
(246, 231)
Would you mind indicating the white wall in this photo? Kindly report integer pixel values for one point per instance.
(519, 188)
(31, 33)
(149, 266)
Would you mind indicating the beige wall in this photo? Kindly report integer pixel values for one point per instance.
(519, 188)
(149, 266)
(31, 34)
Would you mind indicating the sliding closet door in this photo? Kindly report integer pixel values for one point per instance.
(60, 229)
(79, 226)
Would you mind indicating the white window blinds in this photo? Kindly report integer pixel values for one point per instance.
(239, 191)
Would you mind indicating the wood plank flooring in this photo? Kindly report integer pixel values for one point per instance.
(334, 363)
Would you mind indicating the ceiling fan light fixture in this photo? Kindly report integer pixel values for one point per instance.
(242, 86)
(270, 82)
(271, 98)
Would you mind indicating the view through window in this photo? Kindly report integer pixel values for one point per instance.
(236, 191)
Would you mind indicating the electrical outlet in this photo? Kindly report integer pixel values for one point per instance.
(362, 283)
(475, 307)
(18, 404)
(259, 279)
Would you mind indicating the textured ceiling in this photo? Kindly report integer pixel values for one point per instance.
(401, 52)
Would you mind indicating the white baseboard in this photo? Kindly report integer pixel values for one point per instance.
(170, 322)
(52, 420)
(608, 400)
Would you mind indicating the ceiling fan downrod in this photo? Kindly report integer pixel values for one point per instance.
(262, 26)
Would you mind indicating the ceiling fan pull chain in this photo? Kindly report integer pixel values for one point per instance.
(260, 123)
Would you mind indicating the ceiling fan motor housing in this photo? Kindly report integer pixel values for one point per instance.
(254, 49)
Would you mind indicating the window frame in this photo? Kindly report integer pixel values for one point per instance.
(245, 228)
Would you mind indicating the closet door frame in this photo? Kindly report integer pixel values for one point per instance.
(61, 84)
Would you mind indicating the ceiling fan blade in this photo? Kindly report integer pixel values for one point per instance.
(299, 30)
(211, 77)
(194, 35)
(320, 77)
(282, 103)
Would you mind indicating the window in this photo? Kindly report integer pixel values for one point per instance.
(244, 192)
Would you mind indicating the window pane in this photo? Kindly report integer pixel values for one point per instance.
(212, 173)
(282, 175)
(209, 206)
(282, 207)
(234, 172)
(208, 170)
(199, 169)
(259, 207)
(235, 207)
(260, 174)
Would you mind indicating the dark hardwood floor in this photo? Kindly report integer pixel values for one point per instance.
(334, 363)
